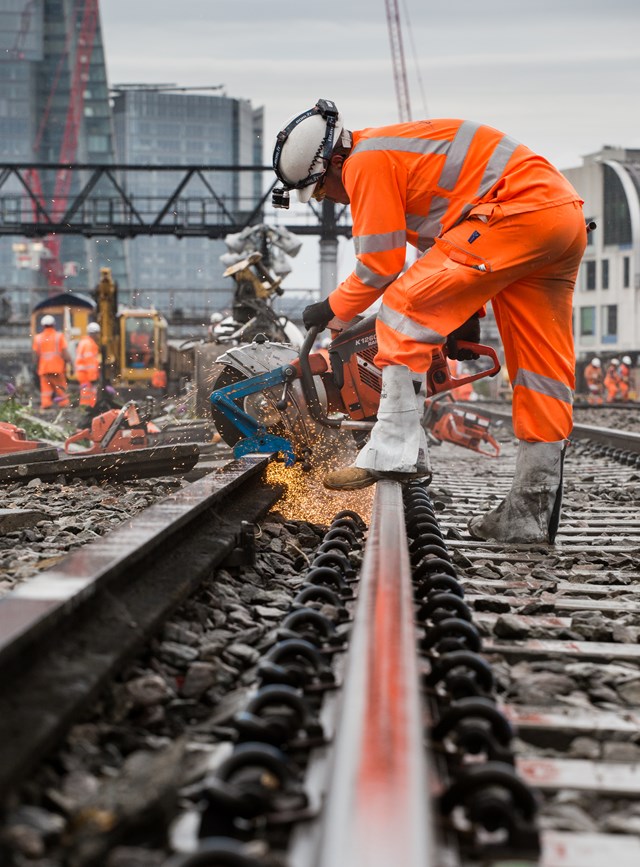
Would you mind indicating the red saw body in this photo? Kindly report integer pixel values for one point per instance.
(265, 390)
(14, 439)
(113, 431)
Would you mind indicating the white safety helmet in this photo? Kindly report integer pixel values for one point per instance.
(615, 361)
(93, 328)
(626, 359)
(303, 150)
(47, 320)
(595, 362)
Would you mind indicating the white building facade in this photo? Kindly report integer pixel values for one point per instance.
(606, 302)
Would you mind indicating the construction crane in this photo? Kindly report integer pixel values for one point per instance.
(69, 146)
(397, 59)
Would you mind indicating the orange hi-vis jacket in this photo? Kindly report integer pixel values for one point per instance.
(48, 346)
(87, 364)
(412, 182)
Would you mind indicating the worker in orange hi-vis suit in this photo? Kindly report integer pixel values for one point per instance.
(594, 381)
(52, 355)
(87, 365)
(624, 377)
(494, 222)
(612, 380)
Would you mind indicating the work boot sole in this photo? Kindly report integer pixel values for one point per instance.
(350, 485)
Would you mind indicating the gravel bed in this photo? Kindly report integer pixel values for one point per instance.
(69, 515)
(109, 796)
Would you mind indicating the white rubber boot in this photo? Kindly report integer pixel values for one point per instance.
(398, 443)
(397, 447)
(531, 510)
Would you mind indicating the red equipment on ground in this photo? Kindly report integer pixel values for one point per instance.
(113, 431)
(454, 424)
(14, 439)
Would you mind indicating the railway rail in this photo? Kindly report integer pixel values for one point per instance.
(518, 664)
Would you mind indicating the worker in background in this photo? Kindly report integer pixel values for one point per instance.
(87, 365)
(494, 222)
(51, 354)
(612, 380)
(594, 382)
(624, 378)
(141, 344)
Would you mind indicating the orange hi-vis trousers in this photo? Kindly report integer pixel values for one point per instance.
(526, 265)
(53, 387)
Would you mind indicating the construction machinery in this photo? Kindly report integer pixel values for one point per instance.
(308, 407)
(133, 340)
(116, 430)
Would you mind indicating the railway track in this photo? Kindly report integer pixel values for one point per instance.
(557, 627)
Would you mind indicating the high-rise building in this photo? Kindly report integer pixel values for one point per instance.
(54, 107)
(159, 125)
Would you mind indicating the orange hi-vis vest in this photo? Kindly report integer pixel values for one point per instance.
(412, 182)
(87, 363)
(48, 345)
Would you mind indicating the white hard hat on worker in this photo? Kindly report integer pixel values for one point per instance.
(93, 328)
(303, 151)
(626, 359)
(595, 362)
(47, 320)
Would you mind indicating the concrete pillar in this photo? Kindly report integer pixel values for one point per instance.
(328, 266)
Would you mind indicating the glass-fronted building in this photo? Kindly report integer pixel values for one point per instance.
(43, 46)
(160, 126)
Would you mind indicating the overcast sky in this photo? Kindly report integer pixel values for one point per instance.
(562, 76)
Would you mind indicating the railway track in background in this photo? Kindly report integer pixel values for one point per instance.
(559, 628)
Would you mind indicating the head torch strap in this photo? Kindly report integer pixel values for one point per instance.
(329, 113)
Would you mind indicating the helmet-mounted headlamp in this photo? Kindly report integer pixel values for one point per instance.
(328, 111)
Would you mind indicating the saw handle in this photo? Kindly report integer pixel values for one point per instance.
(439, 377)
(308, 385)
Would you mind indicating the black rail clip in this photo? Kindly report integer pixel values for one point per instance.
(244, 552)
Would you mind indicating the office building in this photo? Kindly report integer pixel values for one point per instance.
(159, 125)
(606, 303)
(54, 106)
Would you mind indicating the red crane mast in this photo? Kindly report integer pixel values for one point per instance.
(397, 59)
(52, 265)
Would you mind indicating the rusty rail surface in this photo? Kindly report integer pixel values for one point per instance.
(378, 810)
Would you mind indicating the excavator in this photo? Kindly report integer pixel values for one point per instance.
(307, 407)
(133, 340)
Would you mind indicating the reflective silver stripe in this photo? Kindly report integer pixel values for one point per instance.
(371, 278)
(408, 145)
(457, 154)
(543, 385)
(410, 328)
(379, 243)
(497, 164)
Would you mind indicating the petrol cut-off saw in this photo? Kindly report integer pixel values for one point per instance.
(305, 406)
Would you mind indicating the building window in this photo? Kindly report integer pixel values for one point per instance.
(626, 272)
(590, 275)
(617, 220)
(604, 273)
(587, 321)
(610, 323)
